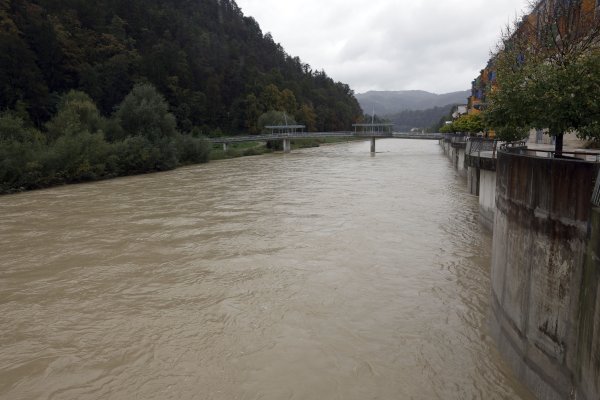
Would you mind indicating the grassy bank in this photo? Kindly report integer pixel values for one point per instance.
(246, 149)
(239, 150)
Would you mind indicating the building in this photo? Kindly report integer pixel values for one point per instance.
(559, 22)
(460, 110)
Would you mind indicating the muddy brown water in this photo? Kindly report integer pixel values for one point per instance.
(322, 274)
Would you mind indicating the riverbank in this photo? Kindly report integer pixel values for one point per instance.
(136, 157)
(246, 149)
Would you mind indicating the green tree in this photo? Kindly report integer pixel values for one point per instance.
(469, 123)
(20, 150)
(253, 112)
(306, 115)
(548, 76)
(145, 112)
(14, 128)
(271, 98)
(288, 101)
(274, 118)
(77, 113)
(556, 98)
(567, 98)
(447, 128)
(76, 157)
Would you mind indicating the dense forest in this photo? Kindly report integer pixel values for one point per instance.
(68, 68)
(214, 66)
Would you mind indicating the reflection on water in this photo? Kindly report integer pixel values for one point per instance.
(323, 274)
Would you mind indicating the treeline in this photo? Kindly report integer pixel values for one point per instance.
(406, 120)
(216, 69)
(441, 123)
(78, 144)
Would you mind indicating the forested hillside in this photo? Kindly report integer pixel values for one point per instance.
(97, 89)
(214, 66)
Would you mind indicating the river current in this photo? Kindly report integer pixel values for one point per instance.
(327, 273)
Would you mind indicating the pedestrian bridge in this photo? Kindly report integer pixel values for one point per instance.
(286, 137)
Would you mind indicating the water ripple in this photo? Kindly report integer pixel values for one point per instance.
(325, 273)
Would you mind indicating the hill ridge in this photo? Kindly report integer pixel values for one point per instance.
(395, 101)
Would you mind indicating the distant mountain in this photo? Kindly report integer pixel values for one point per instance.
(388, 103)
(406, 120)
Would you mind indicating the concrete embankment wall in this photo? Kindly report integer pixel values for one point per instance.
(481, 181)
(487, 198)
(588, 354)
(460, 160)
(473, 175)
(545, 267)
(456, 154)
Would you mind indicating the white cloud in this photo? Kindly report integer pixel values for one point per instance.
(434, 45)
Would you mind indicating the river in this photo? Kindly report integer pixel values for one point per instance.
(323, 274)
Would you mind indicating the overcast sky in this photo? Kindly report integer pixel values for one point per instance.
(434, 45)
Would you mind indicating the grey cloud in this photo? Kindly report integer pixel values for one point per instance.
(432, 45)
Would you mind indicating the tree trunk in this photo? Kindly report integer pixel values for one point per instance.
(558, 148)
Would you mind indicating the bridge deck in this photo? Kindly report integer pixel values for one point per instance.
(318, 135)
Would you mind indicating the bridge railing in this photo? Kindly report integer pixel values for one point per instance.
(277, 136)
(316, 135)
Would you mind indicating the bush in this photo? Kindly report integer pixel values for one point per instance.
(76, 113)
(144, 112)
(75, 148)
(76, 158)
(135, 155)
(192, 150)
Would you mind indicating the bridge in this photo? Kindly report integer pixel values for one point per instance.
(286, 137)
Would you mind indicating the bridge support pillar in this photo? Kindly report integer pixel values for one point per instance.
(225, 147)
(287, 145)
(372, 145)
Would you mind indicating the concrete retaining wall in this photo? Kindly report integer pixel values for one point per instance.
(473, 180)
(540, 242)
(487, 198)
(447, 146)
(588, 355)
(460, 161)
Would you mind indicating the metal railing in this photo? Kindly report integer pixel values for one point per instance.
(478, 145)
(596, 194)
(277, 136)
(567, 154)
(519, 145)
(521, 148)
